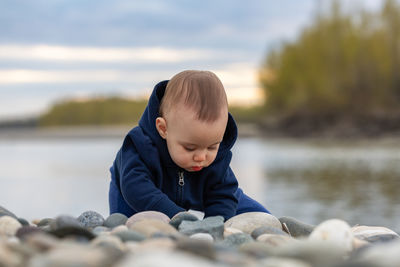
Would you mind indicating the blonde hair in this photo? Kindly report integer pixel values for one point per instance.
(201, 91)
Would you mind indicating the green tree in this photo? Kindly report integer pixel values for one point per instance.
(341, 64)
(97, 111)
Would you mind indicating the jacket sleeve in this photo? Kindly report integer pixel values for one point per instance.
(137, 188)
(219, 196)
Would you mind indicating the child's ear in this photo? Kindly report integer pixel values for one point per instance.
(161, 126)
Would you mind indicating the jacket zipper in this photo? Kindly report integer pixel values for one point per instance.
(181, 183)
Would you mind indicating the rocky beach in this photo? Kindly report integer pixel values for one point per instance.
(152, 239)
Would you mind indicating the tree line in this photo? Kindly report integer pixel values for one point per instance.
(341, 65)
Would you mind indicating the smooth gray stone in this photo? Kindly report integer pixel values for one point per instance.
(78, 233)
(45, 222)
(213, 225)
(64, 221)
(235, 240)
(100, 229)
(23, 221)
(91, 219)
(197, 247)
(297, 228)
(115, 219)
(182, 216)
(266, 230)
(4, 211)
(130, 235)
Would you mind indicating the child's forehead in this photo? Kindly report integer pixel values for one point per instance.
(188, 127)
(185, 114)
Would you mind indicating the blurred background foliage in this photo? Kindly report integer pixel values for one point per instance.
(342, 65)
(96, 111)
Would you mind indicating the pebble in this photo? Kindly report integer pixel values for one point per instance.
(67, 226)
(25, 231)
(115, 219)
(129, 235)
(4, 212)
(374, 233)
(9, 225)
(157, 244)
(248, 222)
(91, 219)
(119, 228)
(99, 230)
(108, 241)
(65, 241)
(72, 256)
(229, 230)
(381, 254)
(203, 237)
(257, 250)
(165, 258)
(236, 240)
(266, 230)
(45, 222)
(146, 215)
(297, 228)
(23, 222)
(336, 232)
(41, 242)
(64, 221)
(315, 252)
(283, 262)
(9, 257)
(213, 225)
(148, 227)
(274, 240)
(203, 248)
(182, 216)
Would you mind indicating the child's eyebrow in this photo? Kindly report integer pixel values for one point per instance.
(191, 144)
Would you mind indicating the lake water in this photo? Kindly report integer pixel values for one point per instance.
(311, 181)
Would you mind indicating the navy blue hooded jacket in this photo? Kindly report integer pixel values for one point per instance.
(144, 177)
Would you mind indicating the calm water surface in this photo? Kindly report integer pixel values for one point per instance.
(357, 182)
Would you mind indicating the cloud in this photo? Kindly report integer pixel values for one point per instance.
(108, 54)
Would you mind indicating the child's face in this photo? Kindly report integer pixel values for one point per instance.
(192, 144)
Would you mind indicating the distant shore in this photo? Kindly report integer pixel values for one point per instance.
(245, 130)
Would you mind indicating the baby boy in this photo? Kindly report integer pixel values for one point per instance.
(178, 157)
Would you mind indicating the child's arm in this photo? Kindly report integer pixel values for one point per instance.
(138, 190)
(219, 196)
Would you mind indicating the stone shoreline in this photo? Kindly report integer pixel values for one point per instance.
(152, 239)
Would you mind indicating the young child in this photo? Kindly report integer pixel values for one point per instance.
(178, 157)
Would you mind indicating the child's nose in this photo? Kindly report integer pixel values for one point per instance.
(200, 156)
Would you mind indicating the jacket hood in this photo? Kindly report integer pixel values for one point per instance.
(148, 124)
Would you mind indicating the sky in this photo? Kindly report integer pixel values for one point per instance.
(61, 49)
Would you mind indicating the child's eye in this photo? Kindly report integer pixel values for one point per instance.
(190, 149)
(212, 148)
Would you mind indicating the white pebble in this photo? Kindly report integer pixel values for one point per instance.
(335, 232)
(9, 225)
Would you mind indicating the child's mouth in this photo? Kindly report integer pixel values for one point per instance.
(197, 168)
